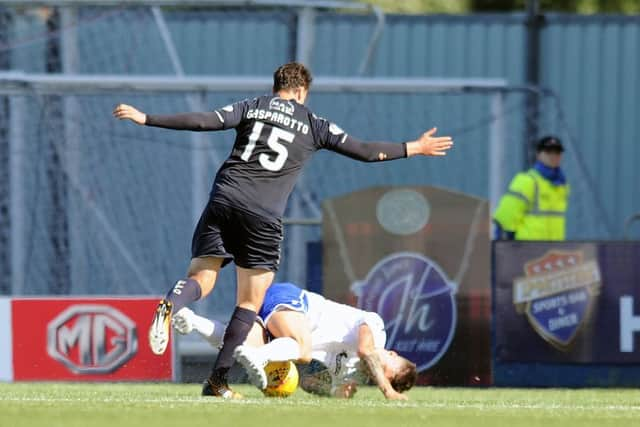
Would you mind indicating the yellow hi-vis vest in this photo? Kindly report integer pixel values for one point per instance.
(533, 208)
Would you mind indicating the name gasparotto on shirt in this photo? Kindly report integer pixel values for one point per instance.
(279, 118)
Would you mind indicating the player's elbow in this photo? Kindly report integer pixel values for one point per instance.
(201, 126)
(369, 157)
(363, 157)
(375, 156)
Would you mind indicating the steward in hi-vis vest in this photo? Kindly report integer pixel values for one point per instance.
(535, 206)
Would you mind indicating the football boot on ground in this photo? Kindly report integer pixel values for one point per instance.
(216, 388)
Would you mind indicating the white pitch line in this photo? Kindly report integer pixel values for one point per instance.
(344, 404)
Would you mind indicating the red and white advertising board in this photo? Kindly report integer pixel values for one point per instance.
(81, 339)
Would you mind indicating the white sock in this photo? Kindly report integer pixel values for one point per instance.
(210, 330)
(280, 349)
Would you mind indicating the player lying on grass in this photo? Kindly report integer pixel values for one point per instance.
(304, 326)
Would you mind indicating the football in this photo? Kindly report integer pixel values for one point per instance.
(282, 379)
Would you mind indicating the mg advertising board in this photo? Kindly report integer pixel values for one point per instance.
(85, 339)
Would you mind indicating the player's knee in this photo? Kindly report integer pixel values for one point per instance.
(205, 272)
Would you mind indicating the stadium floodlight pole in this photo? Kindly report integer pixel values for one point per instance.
(305, 30)
(304, 41)
(534, 22)
(17, 207)
(69, 149)
(497, 179)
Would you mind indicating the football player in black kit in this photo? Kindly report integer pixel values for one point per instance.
(242, 222)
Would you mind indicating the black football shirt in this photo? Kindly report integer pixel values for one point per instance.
(275, 137)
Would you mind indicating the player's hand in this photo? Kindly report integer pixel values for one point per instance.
(124, 111)
(345, 391)
(430, 145)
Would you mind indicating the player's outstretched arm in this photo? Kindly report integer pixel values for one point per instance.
(368, 353)
(335, 139)
(345, 391)
(182, 121)
(429, 145)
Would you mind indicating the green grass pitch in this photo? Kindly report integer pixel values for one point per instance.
(158, 405)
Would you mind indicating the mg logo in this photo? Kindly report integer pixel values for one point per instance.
(92, 339)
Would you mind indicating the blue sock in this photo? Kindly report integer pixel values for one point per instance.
(183, 293)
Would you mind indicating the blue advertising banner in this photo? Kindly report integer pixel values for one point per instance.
(566, 303)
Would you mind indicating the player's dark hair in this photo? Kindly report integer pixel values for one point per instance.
(291, 76)
(405, 377)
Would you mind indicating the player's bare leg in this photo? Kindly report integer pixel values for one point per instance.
(201, 279)
(293, 342)
(252, 285)
(293, 325)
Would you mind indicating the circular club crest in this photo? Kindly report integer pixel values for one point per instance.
(416, 301)
(403, 212)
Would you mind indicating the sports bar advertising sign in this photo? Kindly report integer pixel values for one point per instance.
(567, 302)
(419, 257)
(97, 339)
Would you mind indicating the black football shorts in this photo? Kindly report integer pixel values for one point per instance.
(249, 240)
